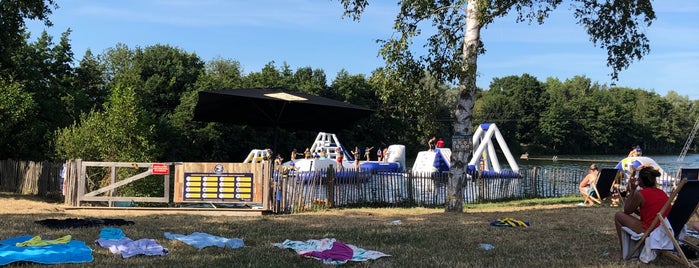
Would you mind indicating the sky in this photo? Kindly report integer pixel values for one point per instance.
(313, 33)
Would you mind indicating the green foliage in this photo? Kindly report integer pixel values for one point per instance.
(122, 133)
(578, 117)
(17, 106)
(12, 29)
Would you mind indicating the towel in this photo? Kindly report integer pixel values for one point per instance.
(657, 240)
(111, 233)
(74, 251)
(202, 240)
(322, 249)
(36, 241)
(510, 222)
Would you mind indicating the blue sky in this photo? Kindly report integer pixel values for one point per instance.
(313, 33)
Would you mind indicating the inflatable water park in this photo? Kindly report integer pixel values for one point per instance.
(327, 151)
(484, 160)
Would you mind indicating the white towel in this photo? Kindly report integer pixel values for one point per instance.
(657, 240)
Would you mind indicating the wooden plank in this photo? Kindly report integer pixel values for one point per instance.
(126, 198)
(119, 183)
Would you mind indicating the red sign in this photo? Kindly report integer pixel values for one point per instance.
(160, 169)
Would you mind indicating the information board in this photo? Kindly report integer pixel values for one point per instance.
(218, 187)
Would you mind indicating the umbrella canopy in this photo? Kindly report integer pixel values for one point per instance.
(277, 108)
(630, 163)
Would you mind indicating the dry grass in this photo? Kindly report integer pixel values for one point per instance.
(560, 236)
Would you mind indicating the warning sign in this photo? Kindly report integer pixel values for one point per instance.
(160, 169)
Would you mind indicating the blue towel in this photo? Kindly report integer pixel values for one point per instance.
(202, 240)
(111, 233)
(74, 251)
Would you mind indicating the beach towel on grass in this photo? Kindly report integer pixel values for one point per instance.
(510, 222)
(330, 251)
(202, 240)
(73, 251)
(118, 243)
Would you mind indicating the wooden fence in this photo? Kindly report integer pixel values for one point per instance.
(292, 193)
(31, 178)
(295, 193)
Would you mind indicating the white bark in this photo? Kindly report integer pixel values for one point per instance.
(463, 113)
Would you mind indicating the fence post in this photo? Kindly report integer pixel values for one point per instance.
(330, 186)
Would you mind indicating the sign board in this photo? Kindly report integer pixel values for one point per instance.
(232, 183)
(160, 169)
(218, 187)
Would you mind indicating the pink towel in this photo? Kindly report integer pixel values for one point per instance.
(338, 252)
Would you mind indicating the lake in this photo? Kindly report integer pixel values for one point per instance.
(667, 162)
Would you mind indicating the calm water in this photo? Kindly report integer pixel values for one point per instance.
(667, 162)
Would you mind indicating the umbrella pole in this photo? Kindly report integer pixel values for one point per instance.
(274, 143)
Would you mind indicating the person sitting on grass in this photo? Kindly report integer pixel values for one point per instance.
(585, 186)
(644, 199)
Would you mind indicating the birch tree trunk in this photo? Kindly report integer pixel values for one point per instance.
(462, 143)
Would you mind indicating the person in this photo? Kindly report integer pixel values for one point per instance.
(307, 153)
(379, 152)
(384, 155)
(338, 157)
(585, 186)
(430, 143)
(278, 160)
(367, 153)
(635, 151)
(440, 143)
(644, 199)
(293, 155)
(355, 154)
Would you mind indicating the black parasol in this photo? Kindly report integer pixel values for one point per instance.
(277, 108)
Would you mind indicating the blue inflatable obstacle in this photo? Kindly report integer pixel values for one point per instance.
(342, 176)
(375, 167)
(440, 161)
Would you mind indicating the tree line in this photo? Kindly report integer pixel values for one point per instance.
(136, 104)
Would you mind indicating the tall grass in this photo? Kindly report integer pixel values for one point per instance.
(560, 235)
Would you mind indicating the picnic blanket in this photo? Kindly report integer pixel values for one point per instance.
(202, 240)
(330, 251)
(33, 249)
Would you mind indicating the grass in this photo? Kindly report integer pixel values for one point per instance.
(561, 235)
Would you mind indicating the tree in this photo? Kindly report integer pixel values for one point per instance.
(16, 104)
(454, 46)
(12, 28)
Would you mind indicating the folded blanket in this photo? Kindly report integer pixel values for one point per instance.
(73, 251)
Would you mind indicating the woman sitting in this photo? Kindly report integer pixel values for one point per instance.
(644, 199)
(585, 186)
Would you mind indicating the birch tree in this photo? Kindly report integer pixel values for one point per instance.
(455, 43)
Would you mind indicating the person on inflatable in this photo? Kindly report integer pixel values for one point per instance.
(635, 151)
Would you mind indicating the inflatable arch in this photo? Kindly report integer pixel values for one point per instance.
(482, 141)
